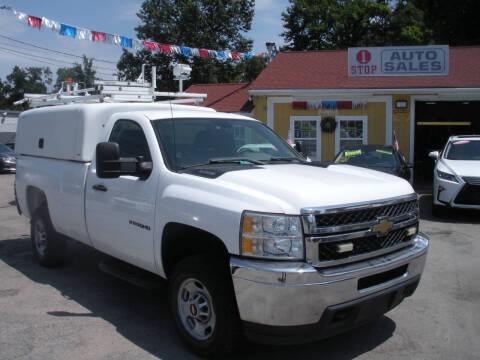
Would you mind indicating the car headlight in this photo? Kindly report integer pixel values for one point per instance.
(447, 176)
(271, 236)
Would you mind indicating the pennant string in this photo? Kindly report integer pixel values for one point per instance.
(136, 44)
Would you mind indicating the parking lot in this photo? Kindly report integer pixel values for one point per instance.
(79, 312)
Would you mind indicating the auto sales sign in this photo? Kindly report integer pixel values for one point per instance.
(398, 61)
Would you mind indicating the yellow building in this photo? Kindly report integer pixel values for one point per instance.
(313, 97)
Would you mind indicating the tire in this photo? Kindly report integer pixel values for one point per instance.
(49, 247)
(201, 297)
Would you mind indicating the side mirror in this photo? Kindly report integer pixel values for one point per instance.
(108, 160)
(434, 155)
(298, 147)
(143, 168)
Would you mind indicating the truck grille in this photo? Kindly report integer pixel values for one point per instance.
(365, 215)
(356, 232)
(364, 245)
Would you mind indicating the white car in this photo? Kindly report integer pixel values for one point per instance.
(456, 179)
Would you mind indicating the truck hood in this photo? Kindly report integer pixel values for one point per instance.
(296, 186)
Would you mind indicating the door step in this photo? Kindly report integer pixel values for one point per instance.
(131, 274)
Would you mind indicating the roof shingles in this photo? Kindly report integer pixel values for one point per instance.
(224, 97)
(328, 70)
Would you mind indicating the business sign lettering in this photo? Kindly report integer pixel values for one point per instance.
(398, 61)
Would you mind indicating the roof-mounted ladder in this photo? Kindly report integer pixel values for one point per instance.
(111, 91)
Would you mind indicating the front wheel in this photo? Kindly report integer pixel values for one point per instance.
(203, 306)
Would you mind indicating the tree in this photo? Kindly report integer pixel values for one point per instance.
(82, 74)
(29, 80)
(333, 24)
(451, 22)
(208, 24)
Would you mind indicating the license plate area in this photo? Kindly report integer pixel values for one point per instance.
(378, 279)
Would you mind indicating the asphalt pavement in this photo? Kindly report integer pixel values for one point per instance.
(79, 312)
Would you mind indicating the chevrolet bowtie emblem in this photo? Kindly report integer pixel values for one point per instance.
(383, 227)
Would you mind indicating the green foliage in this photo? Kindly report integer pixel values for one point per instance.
(451, 22)
(339, 24)
(334, 24)
(208, 24)
(82, 74)
(21, 81)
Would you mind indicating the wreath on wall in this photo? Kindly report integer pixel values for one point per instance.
(328, 124)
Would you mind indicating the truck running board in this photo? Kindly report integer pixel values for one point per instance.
(131, 274)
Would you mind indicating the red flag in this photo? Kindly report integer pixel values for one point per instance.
(98, 36)
(344, 104)
(235, 56)
(165, 48)
(152, 46)
(34, 22)
(396, 147)
(203, 52)
(299, 105)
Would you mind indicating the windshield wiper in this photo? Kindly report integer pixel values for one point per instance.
(286, 159)
(225, 161)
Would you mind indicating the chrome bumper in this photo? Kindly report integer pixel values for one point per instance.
(295, 293)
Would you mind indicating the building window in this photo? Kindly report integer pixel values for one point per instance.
(351, 131)
(306, 130)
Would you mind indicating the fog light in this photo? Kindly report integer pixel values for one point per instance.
(412, 231)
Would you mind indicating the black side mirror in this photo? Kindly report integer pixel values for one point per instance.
(299, 147)
(108, 160)
(143, 168)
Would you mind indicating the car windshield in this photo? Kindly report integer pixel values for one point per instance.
(4, 149)
(366, 156)
(188, 142)
(463, 150)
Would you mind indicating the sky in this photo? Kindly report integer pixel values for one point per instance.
(110, 16)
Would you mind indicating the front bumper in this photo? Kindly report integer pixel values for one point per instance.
(292, 298)
(446, 193)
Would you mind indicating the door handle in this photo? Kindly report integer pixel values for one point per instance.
(99, 187)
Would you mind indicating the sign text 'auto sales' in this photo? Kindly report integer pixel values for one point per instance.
(398, 61)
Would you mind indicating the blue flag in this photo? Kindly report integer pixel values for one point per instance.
(186, 51)
(125, 42)
(68, 30)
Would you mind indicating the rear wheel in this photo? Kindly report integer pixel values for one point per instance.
(49, 247)
(203, 306)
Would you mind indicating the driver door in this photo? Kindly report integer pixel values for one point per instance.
(120, 212)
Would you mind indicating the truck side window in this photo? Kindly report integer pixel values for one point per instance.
(131, 139)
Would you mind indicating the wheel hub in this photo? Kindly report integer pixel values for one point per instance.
(40, 237)
(195, 309)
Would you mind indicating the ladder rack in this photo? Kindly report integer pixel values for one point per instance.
(111, 91)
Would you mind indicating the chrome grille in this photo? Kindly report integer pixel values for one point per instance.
(472, 180)
(358, 231)
(365, 215)
(368, 244)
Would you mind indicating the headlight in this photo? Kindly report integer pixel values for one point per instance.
(271, 236)
(446, 176)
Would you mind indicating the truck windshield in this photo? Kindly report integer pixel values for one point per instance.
(463, 150)
(188, 142)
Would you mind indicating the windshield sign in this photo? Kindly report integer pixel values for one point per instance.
(368, 157)
(190, 142)
(463, 150)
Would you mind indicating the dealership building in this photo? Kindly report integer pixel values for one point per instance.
(331, 99)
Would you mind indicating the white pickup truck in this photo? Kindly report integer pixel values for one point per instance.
(253, 239)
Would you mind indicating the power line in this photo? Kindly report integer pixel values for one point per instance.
(56, 60)
(55, 51)
(32, 58)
